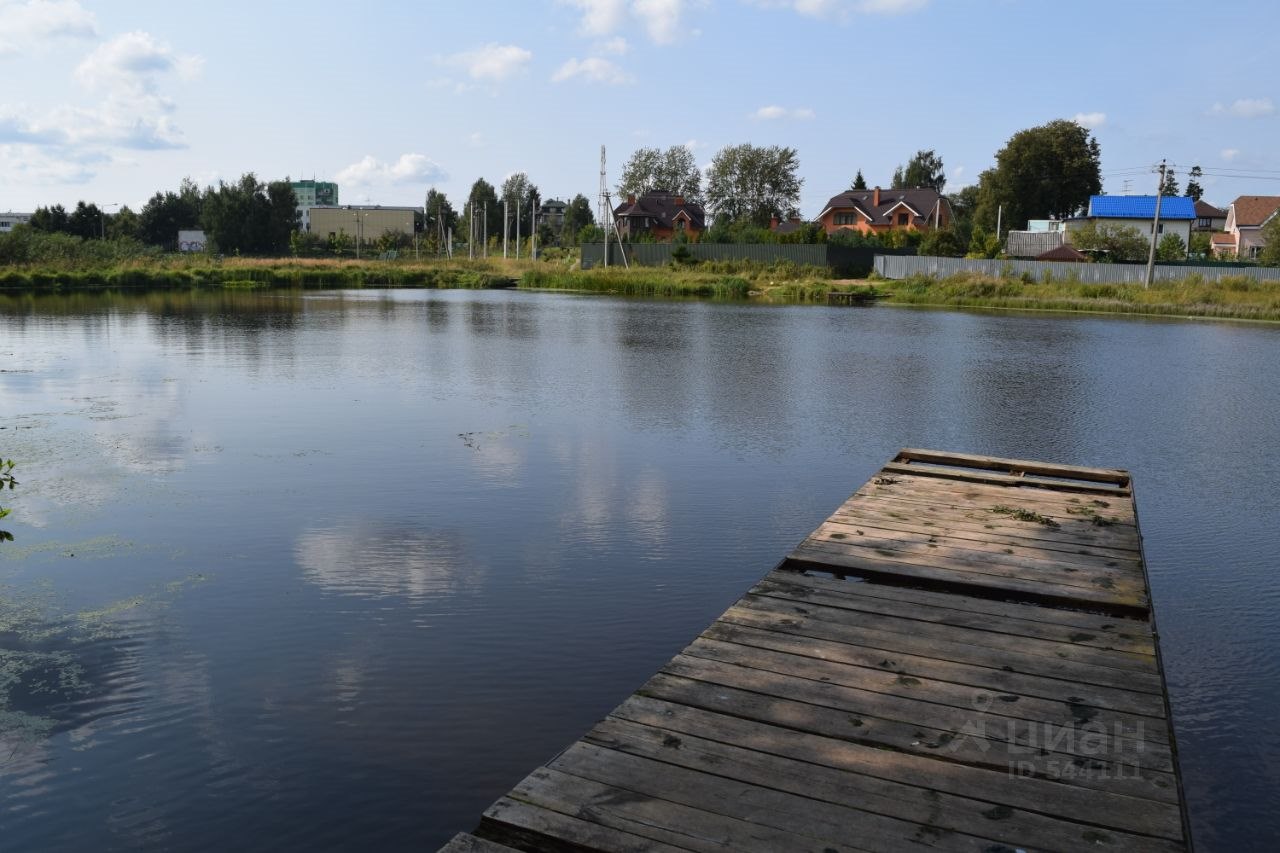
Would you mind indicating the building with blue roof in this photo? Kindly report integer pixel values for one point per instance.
(1137, 212)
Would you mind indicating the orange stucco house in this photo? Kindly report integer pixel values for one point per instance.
(661, 214)
(876, 211)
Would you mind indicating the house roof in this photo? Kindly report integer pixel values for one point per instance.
(788, 226)
(1253, 210)
(662, 206)
(921, 202)
(1204, 210)
(1141, 207)
(1031, 244)
(1065, 252)
(1223, 239)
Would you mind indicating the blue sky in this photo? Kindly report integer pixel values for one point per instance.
(112, 101)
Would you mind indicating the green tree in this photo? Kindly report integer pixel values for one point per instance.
(86, 221)
(751, 183)
(51, 220)
(577, 215)
(674, 170)
(964, 207)
(859, 182)
(522, 198)
(167, 213)
(1171, 248)
(441, 216)
(282, 216)
(922, 170)
(483, 199)
(1270, 253)
(1194, 190)
(1201, 244)
(1116, 242)
(1042, 172)
(941, 242)
(1170, 185)
(124, 225)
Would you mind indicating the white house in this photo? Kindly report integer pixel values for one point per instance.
(1245, 219)
(10, 219)
(1177, 214)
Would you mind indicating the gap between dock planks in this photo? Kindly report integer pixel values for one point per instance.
(962, 657)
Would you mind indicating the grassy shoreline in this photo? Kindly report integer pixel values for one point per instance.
(1236, 297)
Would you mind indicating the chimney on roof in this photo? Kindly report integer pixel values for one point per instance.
(631, 198)
(679, 201)
(875, 198)
(773, 223)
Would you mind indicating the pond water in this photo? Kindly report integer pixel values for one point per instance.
(335, 570)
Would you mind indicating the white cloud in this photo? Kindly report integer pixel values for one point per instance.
(1230, 154)
(774, 113)
(130, 64)
(616, 46)
(1246, 108)
(593, 69)
(599, 17)
(843, 8)
(1090, 120)
(410, 168)
(23, 24)
(492, 62)
(661, 18)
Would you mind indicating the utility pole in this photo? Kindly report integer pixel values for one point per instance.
(533, 229)
(484, 224)
(999, 219)
(471, 231)
(506, 226)
(518, 200)
(1155, 227)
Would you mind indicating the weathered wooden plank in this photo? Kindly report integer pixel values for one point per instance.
(921, 725)
(803, 816)
(1129, 628)
(920, 805)
(986, 678)
(1050, 592)
(936, 615)
(996, 463)
(759, 614)
(940, 542)
(820, 736)
(528, 826)
(908, 486)
(991, 478)
(997, 708)
(464, 843)
(660, 819)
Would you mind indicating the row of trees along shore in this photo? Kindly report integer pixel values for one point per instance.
(1049, 171)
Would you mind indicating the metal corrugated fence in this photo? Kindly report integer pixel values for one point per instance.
(903, 266)
(843, 260)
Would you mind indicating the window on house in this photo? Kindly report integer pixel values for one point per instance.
(1204, 223)
(846, 219)
(902, 218)
(1160, 228)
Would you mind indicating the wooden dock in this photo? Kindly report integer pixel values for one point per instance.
(962, 657)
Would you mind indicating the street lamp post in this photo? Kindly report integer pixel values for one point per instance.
(102, 216)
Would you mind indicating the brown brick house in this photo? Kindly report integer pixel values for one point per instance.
(876, 211)
(660, 214)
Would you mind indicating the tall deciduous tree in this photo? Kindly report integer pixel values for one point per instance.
(86, 221)
(441, 217)
(484, 199)
(922, 170)
(1042, 172)
(577, 215)
(522, 197)
(1194, 190)
(754, 183)
(51, 220)
(250, 217)
(1270, 253)
(168, 212)
(674, 170)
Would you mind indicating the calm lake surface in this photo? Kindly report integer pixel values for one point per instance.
(335, 570)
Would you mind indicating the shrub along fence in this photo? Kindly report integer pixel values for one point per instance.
(842, 260)
(898, 267)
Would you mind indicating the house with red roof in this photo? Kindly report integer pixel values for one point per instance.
(877, 211)
(659, 214)
(1246, 218)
